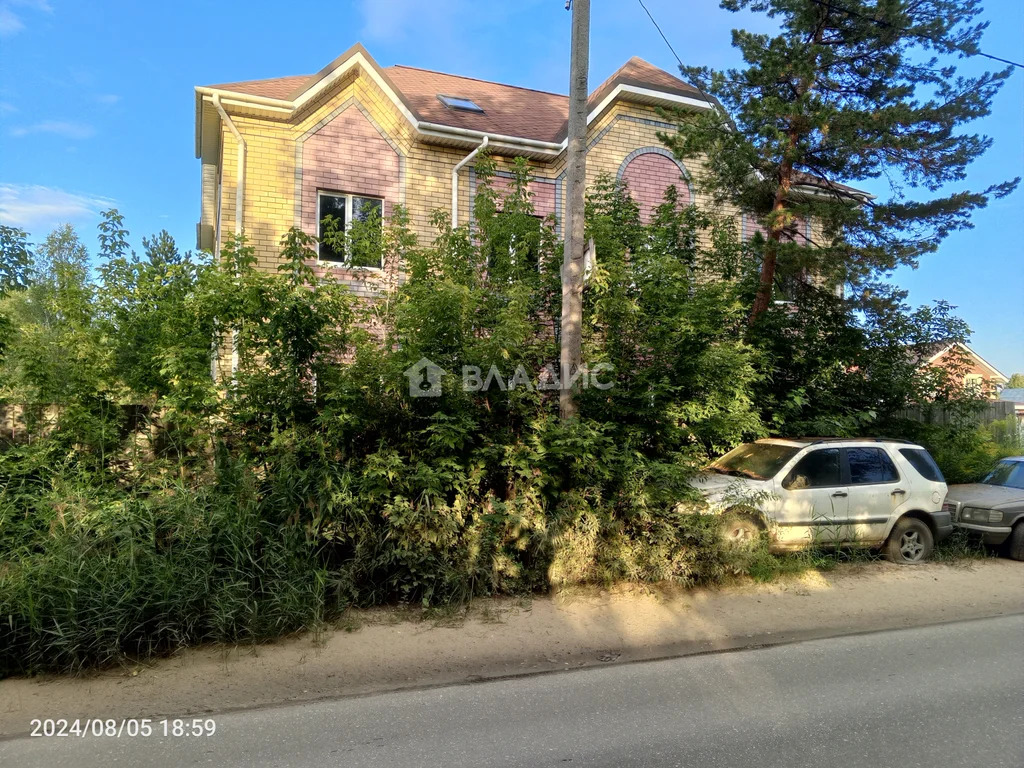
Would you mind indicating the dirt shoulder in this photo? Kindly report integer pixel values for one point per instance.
(382, 650)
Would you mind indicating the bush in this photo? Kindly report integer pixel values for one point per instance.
(162, 506)
(101, 575)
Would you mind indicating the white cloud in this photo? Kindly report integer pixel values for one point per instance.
(108, 98)
(392, 19)
(11, 22)
(38, 209)
(7, 108)
(64, 128)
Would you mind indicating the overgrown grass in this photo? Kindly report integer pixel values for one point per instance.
(94, 579)
(962, 547)
(110, 580)
(762, 565)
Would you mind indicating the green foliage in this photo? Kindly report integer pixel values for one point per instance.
(847, 91)
(15, 259)
(214, 452)
(91, 573)
(964, 449)
(847, 366)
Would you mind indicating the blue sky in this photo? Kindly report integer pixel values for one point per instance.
(96, 105)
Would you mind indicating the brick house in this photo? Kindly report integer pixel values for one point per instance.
(964, 364)
(356, 138)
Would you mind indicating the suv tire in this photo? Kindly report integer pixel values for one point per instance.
(910, 542)
(740, 530)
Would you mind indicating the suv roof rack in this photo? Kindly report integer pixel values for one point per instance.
(816, 440)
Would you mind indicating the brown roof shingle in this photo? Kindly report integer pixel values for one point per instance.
(643, 74)
(271, 88)
(507, 109)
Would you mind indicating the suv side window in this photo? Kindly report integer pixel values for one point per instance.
(923, 462)
(870, 466)
(817, 469)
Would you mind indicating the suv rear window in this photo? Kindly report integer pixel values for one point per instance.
(923, 462)
(870, 465)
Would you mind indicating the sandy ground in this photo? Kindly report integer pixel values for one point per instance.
(382, 650)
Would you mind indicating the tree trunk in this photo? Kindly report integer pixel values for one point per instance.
(764, 289)
(576, 180)
(795, 129)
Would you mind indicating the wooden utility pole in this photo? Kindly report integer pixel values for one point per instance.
(576, 182)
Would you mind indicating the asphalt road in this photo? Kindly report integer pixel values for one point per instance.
(949, 695)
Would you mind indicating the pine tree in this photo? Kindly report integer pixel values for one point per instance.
(848, 90)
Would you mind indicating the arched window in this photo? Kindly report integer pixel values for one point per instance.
(647, 173)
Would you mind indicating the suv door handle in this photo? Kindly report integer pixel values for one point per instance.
(839, 494)
(898, 491)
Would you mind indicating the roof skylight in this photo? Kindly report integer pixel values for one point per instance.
(457, 102)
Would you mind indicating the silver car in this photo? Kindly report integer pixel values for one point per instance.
(993, 508)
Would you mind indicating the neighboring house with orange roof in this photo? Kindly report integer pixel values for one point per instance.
(964, 364)
(356, 138)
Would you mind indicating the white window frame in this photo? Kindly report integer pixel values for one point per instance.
(349, 197)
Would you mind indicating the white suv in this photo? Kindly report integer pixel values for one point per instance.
(868, 492)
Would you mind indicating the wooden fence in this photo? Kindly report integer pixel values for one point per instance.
(995, 410)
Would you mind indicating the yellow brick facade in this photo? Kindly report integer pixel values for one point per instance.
(271, 189)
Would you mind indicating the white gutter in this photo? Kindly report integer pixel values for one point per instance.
(817, 191)
(455, 180)
(468, 133)
(647, 93)
(233, 97)
(240, 172)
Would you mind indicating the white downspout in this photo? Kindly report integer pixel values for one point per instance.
(240, 171)
(455, 181)
(239, 203)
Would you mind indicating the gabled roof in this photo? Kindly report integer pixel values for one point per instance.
(527, 120)
(926, 354)
(642, 74)
(511, 112)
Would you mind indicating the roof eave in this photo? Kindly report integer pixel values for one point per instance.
(357, 55)
(857, 197)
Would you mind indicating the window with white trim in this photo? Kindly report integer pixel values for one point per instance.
(349, 228)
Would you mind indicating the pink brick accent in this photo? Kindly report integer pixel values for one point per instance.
(348, 155)
(543, 193)
(647, 176)
(752, 226)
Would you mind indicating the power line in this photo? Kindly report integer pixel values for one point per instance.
(657, 27)
(678, 60)
(828, 4)
(882, 22)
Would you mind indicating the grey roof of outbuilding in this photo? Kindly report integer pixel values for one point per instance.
(1012, 395)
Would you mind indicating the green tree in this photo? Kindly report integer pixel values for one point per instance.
(853, 90)
(15, 273)
(1016, 381)
(15, 259)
